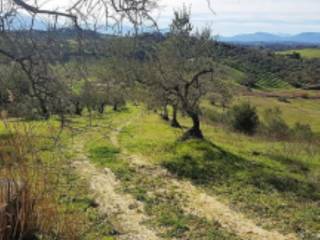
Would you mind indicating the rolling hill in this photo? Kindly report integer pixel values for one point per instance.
(262, 37)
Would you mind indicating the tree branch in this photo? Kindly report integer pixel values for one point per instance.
(196, 79)
(36, 10)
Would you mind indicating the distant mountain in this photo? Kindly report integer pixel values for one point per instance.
(310, 37)
(262, 37)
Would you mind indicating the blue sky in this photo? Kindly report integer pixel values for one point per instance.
(232, 17)
(247, 16)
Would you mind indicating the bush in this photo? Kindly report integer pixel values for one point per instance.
(244, 118)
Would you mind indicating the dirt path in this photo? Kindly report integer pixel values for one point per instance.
(203, 205)
(200, 203)
(125, 213)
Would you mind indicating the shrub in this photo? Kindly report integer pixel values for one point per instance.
(244, 118)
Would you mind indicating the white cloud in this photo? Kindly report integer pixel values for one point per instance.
(239, 16)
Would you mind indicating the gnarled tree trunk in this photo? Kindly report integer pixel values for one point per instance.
(174, 121)
(101, 108)
(165, 114)
(44, 109)
(78, 108)
(195, 131)
(115, 107)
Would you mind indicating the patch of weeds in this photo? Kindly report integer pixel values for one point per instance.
(76, 201)
(170, 217)
(104, 155)
(108, 156)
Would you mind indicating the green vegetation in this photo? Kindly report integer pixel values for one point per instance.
(297, 110)
(244, 118)
(305, 53)
(273, 180)
(273, 84)
(153, 135)
(69, 211)
(164, 208)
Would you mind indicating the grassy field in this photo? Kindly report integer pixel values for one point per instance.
(274, 182)
(306, 53)
(305, 111)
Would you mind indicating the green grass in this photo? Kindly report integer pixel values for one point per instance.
(306, 53)
(163, 208)
(305, 111)
(230, 74)
(274, 181)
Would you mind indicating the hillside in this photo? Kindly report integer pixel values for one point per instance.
(150, 184)
(264, 65)
(262, 37)
(267, 67)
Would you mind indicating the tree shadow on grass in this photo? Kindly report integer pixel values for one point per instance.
(292, 164)
(207, 164)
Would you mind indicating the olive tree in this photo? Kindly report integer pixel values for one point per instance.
(37, 53)
(185, 68)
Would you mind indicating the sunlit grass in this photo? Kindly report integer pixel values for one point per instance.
(306, 53)
(273, 181)
(270, 179)
(305, 111)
